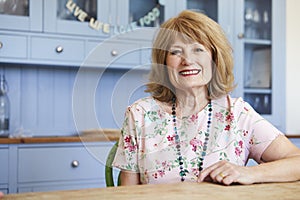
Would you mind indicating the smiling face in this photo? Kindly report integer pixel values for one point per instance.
(189, 65)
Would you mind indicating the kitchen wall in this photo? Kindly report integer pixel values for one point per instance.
(292, 67)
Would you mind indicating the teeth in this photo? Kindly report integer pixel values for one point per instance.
(190, 72)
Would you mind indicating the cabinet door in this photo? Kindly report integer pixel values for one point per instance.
(4, 165)
(4, 171)
(25, 15)
(258, 56)
(76, 16)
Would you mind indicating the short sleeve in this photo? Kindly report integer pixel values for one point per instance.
(262, 132)
(126, 157)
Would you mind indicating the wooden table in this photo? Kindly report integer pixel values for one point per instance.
(180, 191)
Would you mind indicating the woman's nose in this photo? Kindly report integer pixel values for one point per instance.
(186, 60)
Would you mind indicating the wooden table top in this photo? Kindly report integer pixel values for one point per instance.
(207, 191)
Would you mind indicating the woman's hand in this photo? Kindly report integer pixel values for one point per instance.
(226, 173)
(1, 195)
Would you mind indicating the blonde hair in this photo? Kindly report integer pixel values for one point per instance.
(191, 26)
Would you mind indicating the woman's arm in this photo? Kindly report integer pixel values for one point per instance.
(282, 161)
(129, 178)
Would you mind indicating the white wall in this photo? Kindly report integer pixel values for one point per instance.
(292, 67)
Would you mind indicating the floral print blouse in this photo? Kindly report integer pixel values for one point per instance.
(147, 143)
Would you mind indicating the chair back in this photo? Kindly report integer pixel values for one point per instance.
(108, 167)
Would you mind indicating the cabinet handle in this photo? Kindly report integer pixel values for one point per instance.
(75, 163)
(114, 53)
(241, 35)
(59, 49)
(1, 45)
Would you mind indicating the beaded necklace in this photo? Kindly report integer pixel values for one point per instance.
(183, 171)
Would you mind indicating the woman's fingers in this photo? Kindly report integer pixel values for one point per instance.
(206, 172)
(226, 173)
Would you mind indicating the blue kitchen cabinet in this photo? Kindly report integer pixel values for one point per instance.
(259, 53)
(65, 37)
(4, 166)
(60, 166)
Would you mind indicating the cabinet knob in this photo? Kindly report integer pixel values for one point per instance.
(75, 163)
(59, 49)
(241, 35)
(114, 53)
(1, 45)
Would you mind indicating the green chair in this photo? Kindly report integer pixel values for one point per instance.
(109, 169)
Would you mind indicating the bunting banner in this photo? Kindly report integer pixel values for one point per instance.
(107, 28)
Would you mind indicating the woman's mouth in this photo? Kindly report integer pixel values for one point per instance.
(190, 72)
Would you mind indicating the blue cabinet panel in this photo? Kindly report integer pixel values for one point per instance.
(4, 165)
(28, 99)
(53, 166)
(13, 46)
(57, 49)
(61, 163)
(112, 53)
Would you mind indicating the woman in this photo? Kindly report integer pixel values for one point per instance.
(191, 129)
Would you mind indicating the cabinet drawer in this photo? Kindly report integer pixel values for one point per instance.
(58, 163)
(13, 46)
(110, 54)
(4, 166)
(57, 49)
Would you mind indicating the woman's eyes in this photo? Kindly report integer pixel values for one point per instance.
(175, 52)
(198, 49)
(179, 52)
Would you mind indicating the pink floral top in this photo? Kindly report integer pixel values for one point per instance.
(147, 144)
